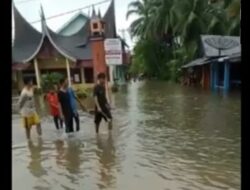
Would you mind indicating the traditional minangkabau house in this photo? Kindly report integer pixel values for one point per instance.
(219, 67)
(75, 24)
(79, 56)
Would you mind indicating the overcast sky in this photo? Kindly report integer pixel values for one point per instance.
(30, 9)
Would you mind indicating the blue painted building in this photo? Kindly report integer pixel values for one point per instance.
(219, 66)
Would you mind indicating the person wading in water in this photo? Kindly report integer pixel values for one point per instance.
(73, 102)
(53, 102)
(66, 111)
(27, 108)
(102, 108)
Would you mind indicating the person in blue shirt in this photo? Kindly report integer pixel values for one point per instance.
(73, 103)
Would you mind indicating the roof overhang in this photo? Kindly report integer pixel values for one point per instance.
(197, 62)
(20, 66)
(84, 63)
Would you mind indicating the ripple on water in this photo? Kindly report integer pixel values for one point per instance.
(164, 137)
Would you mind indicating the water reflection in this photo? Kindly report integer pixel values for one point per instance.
(68, 155)
(106, 156)
(35, 164)
(72, 157)
(60, 149)
(165, 137)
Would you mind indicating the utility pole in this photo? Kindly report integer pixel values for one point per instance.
(123, 33)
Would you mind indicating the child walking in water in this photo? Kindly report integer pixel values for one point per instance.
(102, 108)
(53, 102)
(27, 108)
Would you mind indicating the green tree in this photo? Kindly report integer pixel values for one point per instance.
(140, 8)
(168, 31)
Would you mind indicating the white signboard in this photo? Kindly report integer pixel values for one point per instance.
(113, 51)
(77, 79)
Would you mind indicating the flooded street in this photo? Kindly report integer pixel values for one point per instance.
(165, 137)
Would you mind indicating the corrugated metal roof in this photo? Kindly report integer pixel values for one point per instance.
(197, 62)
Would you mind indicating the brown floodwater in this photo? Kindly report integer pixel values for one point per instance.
(165, 137)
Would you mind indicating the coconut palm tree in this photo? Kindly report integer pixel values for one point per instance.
(225, 18)
(234, 14)
(179, 24)
(140, 8)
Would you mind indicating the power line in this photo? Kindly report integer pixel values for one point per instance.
(24, 1)
(68, 12)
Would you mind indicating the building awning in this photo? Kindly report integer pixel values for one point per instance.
(234, 58)
(196, 62)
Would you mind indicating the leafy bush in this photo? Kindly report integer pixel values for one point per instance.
(82, 91)
(38, 91)
(49, 80)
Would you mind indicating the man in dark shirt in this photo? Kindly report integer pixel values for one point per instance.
(66, 111)
(102, 108)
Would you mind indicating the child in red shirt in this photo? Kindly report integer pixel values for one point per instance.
(53, 102)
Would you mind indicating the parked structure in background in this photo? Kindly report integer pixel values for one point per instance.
(219, 68)
(77, 51)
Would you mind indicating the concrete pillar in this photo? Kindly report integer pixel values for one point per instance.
(226, 75)
(212, 75)
(20, 80)
(82, 75)
(216, 75)
(122, 74)
(99, 63)
(38, 80)
(68, 71)
(111, 74)
(118, 73)
(202, 76)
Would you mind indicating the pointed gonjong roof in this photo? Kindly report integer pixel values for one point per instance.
(68, 46)
(28, 41)
(109, 20)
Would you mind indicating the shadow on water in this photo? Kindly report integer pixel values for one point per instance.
(35, 165)
(165, 137)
